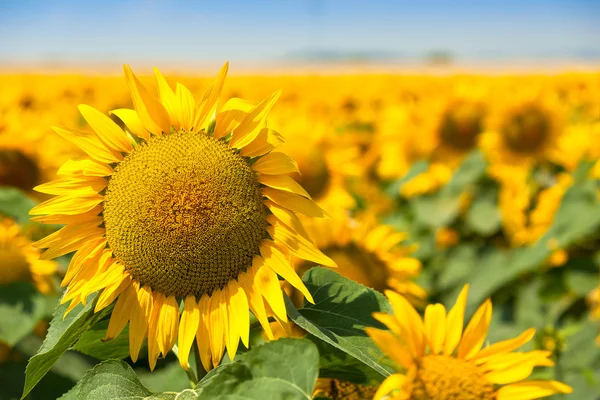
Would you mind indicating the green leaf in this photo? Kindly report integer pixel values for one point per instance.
(62, 334)
(577, 217)
(437, 210)
(340, 314)
(169, 378)
(335, 363)
(484, 217)
(114, 379)
(15, 204)
(92, 343)
(21, 307)
(283, 369)
(468, 173)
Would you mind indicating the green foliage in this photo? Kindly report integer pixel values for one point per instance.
(341, 311)
(92, 343)
(21, 307)
(64, 331)
(284, 369)
(15, 203)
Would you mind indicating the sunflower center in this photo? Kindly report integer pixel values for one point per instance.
(17, 169)
(461, 125)
(448, 378)
(184, 214)
(13, 265)
(527, 130)
(360, 265)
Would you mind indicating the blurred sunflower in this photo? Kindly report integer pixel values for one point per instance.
(526, 212)
(440, 361)
(189, 205)
(368, 253)
(19, 260)
(522, 129)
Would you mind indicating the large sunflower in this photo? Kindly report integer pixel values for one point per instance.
(441, 361)
(189, 205)
(19, 260)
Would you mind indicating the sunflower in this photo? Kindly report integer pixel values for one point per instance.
(523, 129)
(368, 253)
(189, 207)
(527, 215)
(440, 361)
(19, 260)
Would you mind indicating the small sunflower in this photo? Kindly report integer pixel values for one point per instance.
(336, 389)
(189, 207)
(523, 129)
(19, 260)
(368, 253)
(440, 361)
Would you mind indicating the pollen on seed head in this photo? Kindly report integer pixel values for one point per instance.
(448, 378)
(184, 214)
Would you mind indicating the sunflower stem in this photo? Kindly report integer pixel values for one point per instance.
(190, 374)
(200, 372)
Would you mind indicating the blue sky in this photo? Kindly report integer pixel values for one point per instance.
(66, 31)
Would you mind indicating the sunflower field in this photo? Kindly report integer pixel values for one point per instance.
(336, 236)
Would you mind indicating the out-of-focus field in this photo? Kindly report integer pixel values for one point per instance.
(493, 179)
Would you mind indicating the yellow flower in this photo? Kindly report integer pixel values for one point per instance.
(189, 207)
(368, 253)
(429, 181)
(19, 260)
(441, 361)
(523, 129)
(446, 237)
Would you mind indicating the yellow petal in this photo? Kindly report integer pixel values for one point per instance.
(266, 140)
(167, 98)
(140, 314)
(255, 300)
(186, 106)
(121, 313)
(73, 186)
(275, 163)
(476, 331)
(157, 300)
(217, 318)
(297, 244)
(85, 168)
(90, 144)
(188, 326)
(153, 115)
(253, 122)
(294, 202)
(268, 285)
(288, 218)
(169, 325)
(283, 182)
(110, 293)
(455, 321)
(207, 106)
(504, 346)
(239, 318)
(391, 383)
(108, 132)
(532, 390)
(281, 265)
(203, 335)
(67, 205)
(231, 114)
(435, 327)
(391, 347)
(410, 321)
(132, 121)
